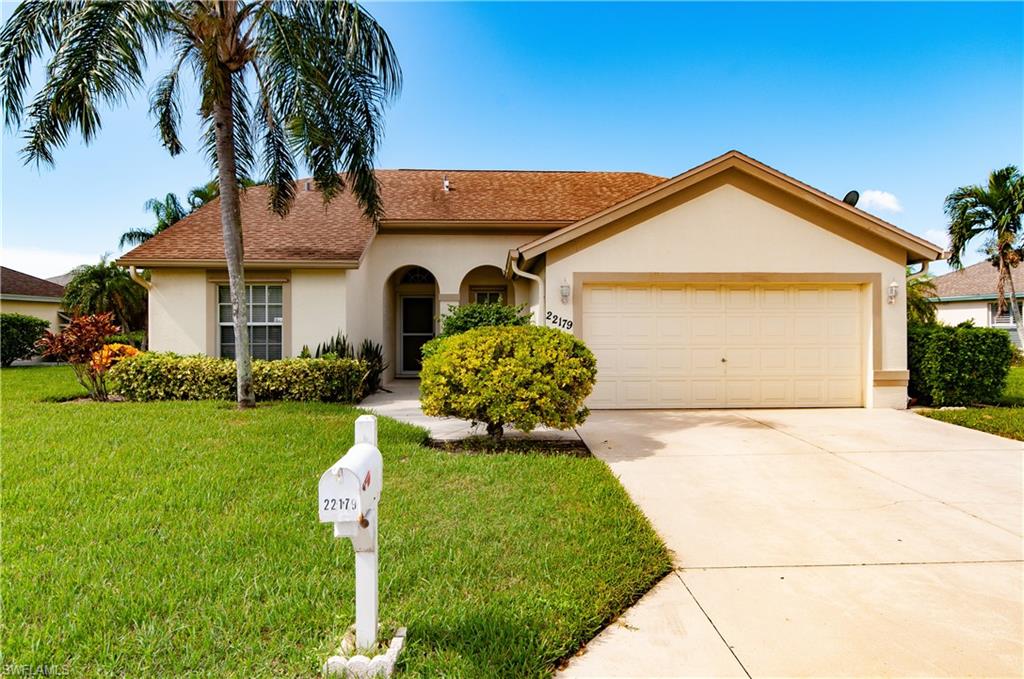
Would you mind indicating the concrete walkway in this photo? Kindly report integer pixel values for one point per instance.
(817, 543)
(402, 402)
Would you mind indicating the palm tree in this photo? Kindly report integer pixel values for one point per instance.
(280, 81)
(167, 212)
(99, 288)
(201, 195)
(920, 290)
(993, 211)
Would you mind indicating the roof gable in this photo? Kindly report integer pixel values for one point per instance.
(755, 177)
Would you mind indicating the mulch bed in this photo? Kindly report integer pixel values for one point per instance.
(485, 445)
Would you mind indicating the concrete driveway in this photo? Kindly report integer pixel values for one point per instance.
(817, 543)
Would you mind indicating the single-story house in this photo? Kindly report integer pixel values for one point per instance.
(729, 285)
(21, 293)
(970, 295)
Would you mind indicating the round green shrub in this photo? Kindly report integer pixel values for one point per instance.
(18, 336)
(469, 316)
(523, 376)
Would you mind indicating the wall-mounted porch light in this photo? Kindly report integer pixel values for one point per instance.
(564, 291)
(894, 290)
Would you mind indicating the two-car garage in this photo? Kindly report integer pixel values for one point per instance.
(726, 345)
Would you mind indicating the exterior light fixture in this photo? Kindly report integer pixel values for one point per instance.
(564, 291)
(894, 289)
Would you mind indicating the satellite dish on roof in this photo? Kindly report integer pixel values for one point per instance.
(851, 198)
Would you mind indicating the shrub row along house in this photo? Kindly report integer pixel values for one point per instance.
(730, 285)
(970, 295)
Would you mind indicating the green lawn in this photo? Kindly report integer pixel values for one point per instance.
(1006, 420)
(165, 539)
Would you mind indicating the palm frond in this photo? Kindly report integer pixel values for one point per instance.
(33, 26)
(135, 237)
(100, 58)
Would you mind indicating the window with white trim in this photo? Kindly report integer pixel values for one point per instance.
(266, 321)
(488, 295)
(1005, 318)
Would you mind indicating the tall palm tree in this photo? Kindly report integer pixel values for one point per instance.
(167, 212)
(920, 289)
(280, 81)
(993, 211)
(99, 288)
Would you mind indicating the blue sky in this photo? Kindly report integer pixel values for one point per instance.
(906, 100)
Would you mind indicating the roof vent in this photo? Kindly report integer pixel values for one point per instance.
(309, 186)
(851, 198)
(444, 183)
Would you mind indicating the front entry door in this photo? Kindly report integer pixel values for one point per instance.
(415, 328)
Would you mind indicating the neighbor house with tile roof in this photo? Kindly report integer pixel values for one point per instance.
(24, 294)
(729, 285)
(970, 295)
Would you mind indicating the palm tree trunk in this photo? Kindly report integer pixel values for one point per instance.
(1014, 309)
(231, 225)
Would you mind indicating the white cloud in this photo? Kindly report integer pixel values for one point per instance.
(45, 263)
(873, 200)
(938, 236)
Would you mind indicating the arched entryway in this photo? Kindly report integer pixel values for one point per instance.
(410, 318)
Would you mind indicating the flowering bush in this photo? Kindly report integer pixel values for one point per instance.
(78, 344)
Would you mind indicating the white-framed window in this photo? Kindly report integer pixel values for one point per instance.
(266, 321)
(488, 295)
(1005, 318)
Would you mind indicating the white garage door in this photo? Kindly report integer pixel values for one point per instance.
(725, 346)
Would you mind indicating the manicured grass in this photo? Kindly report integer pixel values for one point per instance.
(1007, 420)
(166, 539)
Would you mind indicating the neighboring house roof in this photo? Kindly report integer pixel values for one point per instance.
(337, 233)
(63, 279)
(918, 249)
(15, 285)
(977, 281)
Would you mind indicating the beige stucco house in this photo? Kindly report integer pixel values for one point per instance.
(730, 285)
(970, 295)
(21, 293)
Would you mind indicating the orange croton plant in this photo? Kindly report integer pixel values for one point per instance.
(81, 345)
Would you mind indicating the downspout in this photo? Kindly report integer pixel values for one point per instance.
(139, 279)
(923, 271)
(514, 262)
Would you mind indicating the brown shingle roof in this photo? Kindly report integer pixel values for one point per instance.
(338, 231)
(976, 280)
(17, 283)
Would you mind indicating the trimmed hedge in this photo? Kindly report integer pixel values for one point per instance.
(469, 316)
(521, 376)
(165, 376)
(957, 366)
(18, 336)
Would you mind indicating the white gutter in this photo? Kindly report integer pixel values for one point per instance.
(514, 262)
(923, 271)
(139, 279)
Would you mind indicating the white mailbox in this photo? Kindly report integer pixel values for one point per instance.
(348, 495)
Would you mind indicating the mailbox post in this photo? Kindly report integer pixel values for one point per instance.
(348, 496)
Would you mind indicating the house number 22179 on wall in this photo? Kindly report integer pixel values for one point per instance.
(558, 321)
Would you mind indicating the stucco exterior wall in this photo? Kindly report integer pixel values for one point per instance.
(318, 303)
(954, 313)
(729, 231)
(179, 313)
(44, 310)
